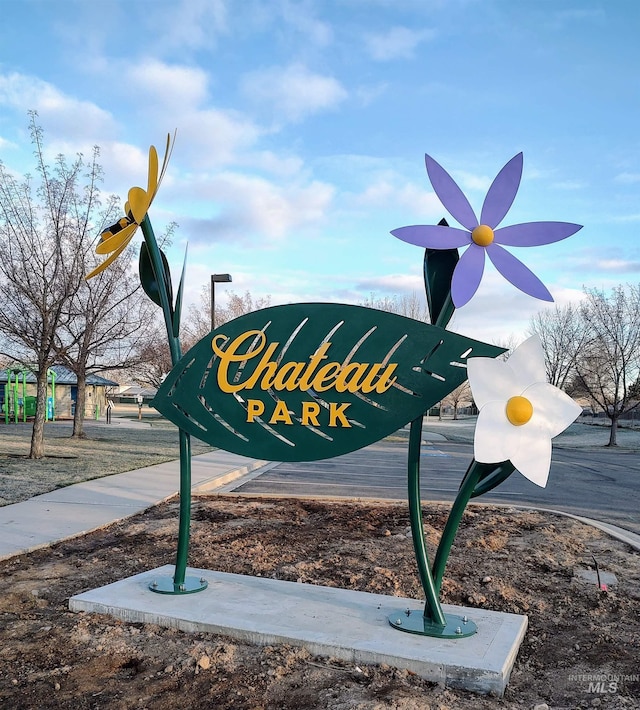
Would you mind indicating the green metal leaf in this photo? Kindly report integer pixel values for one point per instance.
(177, 311)
(498, 474)
(148, 278)
(280, 354)
(438, 271)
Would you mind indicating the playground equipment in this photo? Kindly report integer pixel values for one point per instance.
(16, 404)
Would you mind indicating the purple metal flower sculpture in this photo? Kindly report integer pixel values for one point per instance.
(482, 236)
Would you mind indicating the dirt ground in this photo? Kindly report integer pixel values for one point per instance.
(522, 562)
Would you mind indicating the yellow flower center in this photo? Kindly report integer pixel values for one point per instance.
(519, 410)
(482, 235)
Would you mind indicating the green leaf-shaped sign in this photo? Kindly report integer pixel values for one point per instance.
(310, 381)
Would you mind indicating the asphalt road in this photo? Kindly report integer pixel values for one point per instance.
(595, 483)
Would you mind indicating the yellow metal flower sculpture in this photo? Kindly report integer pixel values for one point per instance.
(116, 238)
(155, 278)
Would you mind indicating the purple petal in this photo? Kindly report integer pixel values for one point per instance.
(517, 273)
(502, 193)
(433, 236)
(450, 194)
(467, 275)
(533, 234)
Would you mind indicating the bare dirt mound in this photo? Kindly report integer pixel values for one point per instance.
(522, 562)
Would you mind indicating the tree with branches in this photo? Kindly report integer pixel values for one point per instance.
(48, 228)
(41, 266)
(198, 322)
(109, 320)
(154, 360)
(460, 396)
(409, 305)
(608, 365)
(592, 350)
(563, 335)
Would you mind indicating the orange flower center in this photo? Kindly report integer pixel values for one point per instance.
(519, 410)
(482, 235)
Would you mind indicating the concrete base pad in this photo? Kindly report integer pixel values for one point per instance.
(332, 622)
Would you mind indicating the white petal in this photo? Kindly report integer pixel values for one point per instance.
(533, 457)
(495, 437)
(553, 409)
(491, 380)
(527, 362)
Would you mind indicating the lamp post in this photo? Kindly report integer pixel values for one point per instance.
(216, 279)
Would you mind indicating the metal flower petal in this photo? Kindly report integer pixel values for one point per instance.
(115, 238)
(518, 415)
(450, 194)
(517, 273)
(534, 234)
(466, 280)
(433, 236)
(481, 235)
(502, 193)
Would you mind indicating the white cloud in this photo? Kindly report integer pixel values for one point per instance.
(279, 165)
(191, 24)
(618, 266)
(569, 185)
(62, 115)
(249, 208)
(627, 178)
(6, 144)
(178, 96)
(416, 198)
(396, 43)
(167, 84)
(212, 137)
(366, 95)
(498, 312)
(293, 92)
(392, 284)
(298, 16)
(470, 181)
(589, 261)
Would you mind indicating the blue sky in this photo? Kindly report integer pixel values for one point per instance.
(302, 129)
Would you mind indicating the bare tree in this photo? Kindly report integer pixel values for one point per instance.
(109, 320)
(45, 233)
(460, 395)
(154, 360)
(508, 344)
(198, 323)
(411, 305)
(608, 365)
(563, 334)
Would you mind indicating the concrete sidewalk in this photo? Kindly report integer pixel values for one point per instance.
(83, 507)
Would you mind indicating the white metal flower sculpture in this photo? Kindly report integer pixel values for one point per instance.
(519, 411)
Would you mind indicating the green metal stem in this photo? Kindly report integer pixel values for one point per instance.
(471, 478)
(433, 611)
(185, 508)
(184, 521)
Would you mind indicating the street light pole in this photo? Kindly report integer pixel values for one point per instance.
(216, 278)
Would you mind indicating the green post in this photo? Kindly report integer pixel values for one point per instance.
(180, 583)
(15, 397)
(432, 621)
(433, 610)
(24, 396)
(53, 395)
